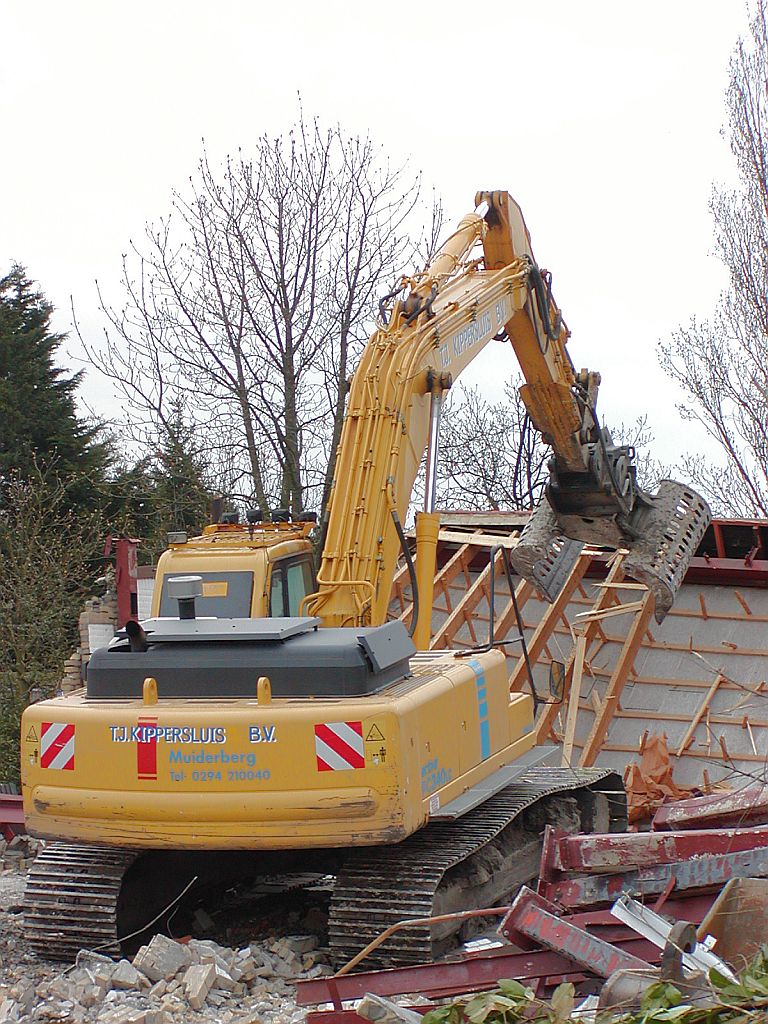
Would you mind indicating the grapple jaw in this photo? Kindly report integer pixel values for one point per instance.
(660, 536)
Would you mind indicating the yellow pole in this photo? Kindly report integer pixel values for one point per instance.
(427, 530)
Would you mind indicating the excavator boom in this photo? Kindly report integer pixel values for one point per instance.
(438, 323)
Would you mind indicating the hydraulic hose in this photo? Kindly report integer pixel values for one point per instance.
(411, 570)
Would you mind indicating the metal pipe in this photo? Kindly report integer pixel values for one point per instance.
(416, 922)
(430, 485)
(427, 533)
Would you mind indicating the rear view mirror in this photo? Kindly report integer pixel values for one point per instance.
(556, 680)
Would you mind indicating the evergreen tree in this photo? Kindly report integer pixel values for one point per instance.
(162, 492)
(39, 425)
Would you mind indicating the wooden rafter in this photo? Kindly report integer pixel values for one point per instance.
(591, 630)
(548, 622)
(702, 710)
(573, 700)
(617, 682)
(455, 565)
(462, 613)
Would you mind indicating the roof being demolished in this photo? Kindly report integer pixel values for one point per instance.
(699, 678)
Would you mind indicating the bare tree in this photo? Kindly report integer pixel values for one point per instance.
(490, 455)
(722, 363)
(248, 305)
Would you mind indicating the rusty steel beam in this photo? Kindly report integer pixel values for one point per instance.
(614, 852)
(453, 977)
(475, 972)
(745, 806)
(702, 872)
(532, 919)
(11, 815)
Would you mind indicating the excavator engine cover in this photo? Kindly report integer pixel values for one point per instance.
(223, 658)
(660, 537)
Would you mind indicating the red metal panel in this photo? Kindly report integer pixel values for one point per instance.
(11, 815)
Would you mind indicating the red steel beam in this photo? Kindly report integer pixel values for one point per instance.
(11, 815)
(477, 971)
(452, 977)
(536, 920)
(621, 851)
(745, 806)
(703, 872)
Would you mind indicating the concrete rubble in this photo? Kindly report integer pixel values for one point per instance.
(17, 854)
(166, 982)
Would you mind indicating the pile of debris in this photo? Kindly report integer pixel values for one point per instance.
(166, 981)
(18, 853)
(702, 869)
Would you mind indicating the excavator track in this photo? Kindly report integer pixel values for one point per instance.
(71, 899)
(380, 886)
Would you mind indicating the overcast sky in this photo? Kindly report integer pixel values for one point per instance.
(602, 119)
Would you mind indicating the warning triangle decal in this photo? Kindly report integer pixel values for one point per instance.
(375, 735)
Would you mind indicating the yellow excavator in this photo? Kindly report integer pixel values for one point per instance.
(266, 721)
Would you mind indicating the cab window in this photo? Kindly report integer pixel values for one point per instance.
(226, 595)
(292, 580)
(276, 593)
(300, 584)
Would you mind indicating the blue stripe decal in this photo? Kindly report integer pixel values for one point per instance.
(482, 708)
(485, 739)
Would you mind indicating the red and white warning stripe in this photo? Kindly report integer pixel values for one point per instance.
(57, 745)
(339, 746)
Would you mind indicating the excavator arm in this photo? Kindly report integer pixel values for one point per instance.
(484, 284)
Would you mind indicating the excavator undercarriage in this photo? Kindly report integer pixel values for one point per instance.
(89, 897)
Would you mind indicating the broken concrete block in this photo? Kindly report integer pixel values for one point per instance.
(124, 1015)
(299, 944)
(90, 995)
(23, 992)
(198, 981)
(102, 975)
(125, 976)
(213, 958)
(59, 988)
(159, 989)
(9, 1010)
(222, 978)
(384, 1011)
(247, 968)
(162, 958)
